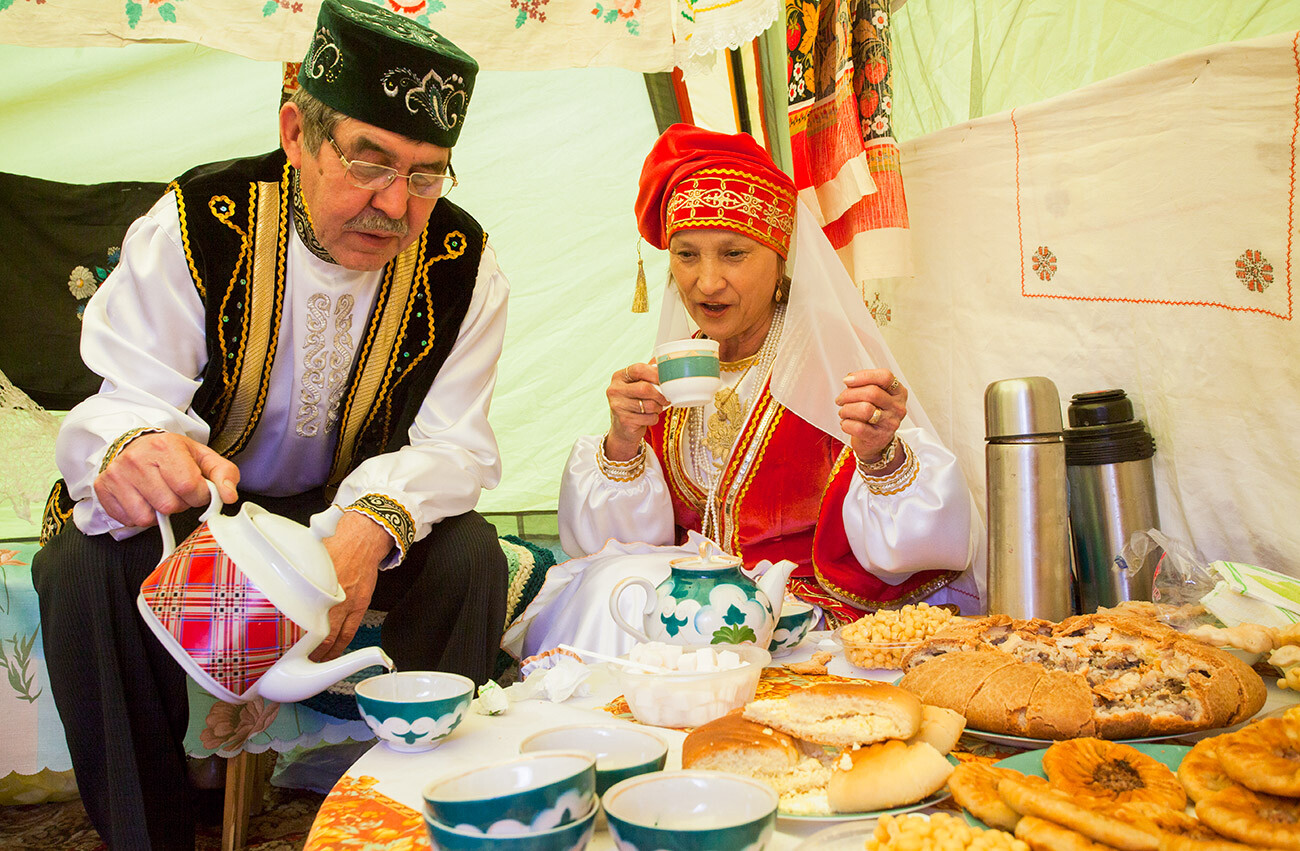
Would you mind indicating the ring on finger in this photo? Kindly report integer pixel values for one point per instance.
(893, 385)
(875, 416)
(627, 376)
(641, 404)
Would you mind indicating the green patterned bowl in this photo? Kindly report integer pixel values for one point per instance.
(690, 811)
(532, 793)
(414, 710)
(573, 836)
(621, 750)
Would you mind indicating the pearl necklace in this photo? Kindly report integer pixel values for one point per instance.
(707, 466)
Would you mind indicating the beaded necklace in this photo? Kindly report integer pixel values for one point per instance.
(707, 467)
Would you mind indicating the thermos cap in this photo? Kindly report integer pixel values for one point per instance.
(1022, 407)
(1100, 408)
(1103, 431)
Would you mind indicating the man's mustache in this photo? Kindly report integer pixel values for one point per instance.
(373, 220)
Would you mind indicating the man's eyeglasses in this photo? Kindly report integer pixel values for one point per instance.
(376, 177)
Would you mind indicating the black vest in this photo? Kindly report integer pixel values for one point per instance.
(235, 229)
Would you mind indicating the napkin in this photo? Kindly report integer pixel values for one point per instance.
(554, 675)
(1246, 593)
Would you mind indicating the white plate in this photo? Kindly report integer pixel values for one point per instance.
(851, 836)
(941, 795)
(1026, 743)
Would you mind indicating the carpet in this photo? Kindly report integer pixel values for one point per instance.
(282, 825)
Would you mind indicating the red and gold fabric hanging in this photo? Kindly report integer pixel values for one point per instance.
(846, 162)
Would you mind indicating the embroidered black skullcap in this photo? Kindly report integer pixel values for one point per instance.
(382, 68)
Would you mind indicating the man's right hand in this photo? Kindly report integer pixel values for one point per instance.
(162, 472)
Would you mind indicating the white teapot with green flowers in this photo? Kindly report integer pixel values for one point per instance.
(708, 600)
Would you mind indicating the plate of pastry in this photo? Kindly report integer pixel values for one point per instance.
(1094, 773)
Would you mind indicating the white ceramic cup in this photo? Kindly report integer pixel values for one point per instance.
(688, 371)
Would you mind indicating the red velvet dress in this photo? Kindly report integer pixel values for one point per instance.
(781, 495)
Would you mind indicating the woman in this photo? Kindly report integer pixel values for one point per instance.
(811, 450)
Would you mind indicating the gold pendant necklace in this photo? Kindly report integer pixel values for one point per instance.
(725, 421)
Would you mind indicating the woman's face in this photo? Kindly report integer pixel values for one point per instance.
(727, 282)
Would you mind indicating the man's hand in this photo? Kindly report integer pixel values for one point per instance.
(357, 547)
(162, 472)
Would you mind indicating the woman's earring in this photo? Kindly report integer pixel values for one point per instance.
(640, 298)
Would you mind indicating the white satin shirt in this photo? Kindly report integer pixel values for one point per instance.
(143, 333)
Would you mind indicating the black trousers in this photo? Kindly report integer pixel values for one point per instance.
(122, 698)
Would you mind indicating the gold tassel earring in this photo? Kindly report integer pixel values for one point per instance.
(640, 299)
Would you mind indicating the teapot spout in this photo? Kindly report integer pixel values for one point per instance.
(296, 677)
(773, 580)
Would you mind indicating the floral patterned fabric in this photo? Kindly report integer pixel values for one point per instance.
(846, 162)
(508, 35)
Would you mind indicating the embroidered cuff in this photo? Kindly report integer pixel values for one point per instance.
(897, 481)
(391, 515)
(116, 447)
(621, 471)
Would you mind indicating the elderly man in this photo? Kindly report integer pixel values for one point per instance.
(317, 330)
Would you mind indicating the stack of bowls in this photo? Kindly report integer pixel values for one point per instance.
(540, 801)
(414, 710)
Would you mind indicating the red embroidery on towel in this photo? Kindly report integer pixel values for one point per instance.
(1260, 282)
(1254, 271)
(1044, 263)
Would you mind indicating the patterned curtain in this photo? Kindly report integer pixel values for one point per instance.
(503, 35)
(846, 162)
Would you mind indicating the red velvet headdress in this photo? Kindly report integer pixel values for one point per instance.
(696, 178)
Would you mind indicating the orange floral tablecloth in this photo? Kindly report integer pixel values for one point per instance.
(356, 815)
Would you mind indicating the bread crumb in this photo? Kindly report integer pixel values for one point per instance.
(816, 665)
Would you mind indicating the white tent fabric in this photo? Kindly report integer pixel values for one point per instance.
(1138, 233)
(503, 35)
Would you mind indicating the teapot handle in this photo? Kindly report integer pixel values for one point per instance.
(165, 525)
(651, 600)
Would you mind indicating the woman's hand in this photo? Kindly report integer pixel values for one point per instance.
(872, 408)
(634, 405)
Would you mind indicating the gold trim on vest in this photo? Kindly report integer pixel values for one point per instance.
(375, 360)
(262, 322)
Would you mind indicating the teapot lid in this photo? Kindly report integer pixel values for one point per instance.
(706, 560)
(299, 546)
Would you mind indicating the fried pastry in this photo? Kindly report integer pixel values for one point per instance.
(1250, 817)
(1055, 806)
(974, 785)
(1200, 772)
(1265, 757)
(1156, 819)
(1097, 773)
(1043, 835)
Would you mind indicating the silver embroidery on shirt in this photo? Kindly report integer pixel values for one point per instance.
(317, 383)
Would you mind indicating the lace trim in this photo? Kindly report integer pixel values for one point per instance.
(621, 471)
(116, 447)
(391, 515)
(724, 25)
(897, 481)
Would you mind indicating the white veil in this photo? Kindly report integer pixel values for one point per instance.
(828, 333)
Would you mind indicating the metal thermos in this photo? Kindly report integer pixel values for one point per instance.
(1112, 495)
(1028, 510)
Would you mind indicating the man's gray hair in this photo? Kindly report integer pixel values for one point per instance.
(318, 120)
